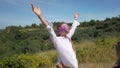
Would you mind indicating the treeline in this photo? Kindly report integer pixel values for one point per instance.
(35, 38)
(17, 40)
(110, 27)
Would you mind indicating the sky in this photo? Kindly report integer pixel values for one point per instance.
(18, 12)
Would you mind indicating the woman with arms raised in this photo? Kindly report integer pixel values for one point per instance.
(62, 40)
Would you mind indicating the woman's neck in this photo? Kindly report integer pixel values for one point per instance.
(63, 36)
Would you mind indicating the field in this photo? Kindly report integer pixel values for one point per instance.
(96, 65)
(86, 63)
(30, 46)
(89, 55)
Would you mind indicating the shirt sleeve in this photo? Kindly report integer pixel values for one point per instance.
(53, 36)
(73, 28)
(58, 61)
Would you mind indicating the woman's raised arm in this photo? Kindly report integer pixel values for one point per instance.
(38, 12)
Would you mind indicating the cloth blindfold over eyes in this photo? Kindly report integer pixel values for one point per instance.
(61, 29)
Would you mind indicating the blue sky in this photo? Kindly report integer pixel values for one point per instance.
(18, 12)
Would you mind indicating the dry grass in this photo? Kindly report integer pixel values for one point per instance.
(85, 44)
(81, 65)
(52, 55)
(96, 65)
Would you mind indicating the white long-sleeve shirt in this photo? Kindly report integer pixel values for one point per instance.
(64, 46)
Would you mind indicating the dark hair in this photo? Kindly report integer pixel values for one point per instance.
(59, 24)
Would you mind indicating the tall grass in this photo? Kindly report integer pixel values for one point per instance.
(95, 52)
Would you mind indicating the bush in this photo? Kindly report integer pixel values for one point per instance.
(25, 61)
(103, 51)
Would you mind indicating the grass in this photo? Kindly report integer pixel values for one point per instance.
(96, 65)
(52, 53)
(90, 54)
(107, 61)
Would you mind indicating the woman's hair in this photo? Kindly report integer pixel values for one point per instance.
(60, 24)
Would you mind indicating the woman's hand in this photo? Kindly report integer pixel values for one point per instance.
(36, 10)
(76, 15)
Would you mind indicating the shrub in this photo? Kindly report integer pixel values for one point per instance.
(25, 61)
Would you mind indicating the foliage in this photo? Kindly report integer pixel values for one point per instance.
(103, 51)
(99, 51)
(96, 29)
(19, 43)
(24, 61)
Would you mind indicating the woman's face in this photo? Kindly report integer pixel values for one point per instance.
(64, 33)
(67, 30)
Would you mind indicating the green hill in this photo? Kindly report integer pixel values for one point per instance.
(93, 39)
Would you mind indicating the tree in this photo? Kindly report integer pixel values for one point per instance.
(34, 25)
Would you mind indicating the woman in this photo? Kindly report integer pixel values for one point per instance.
(62, 41)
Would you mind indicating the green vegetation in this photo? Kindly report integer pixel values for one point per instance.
(102, 51)
(25, 61)
(30, 46)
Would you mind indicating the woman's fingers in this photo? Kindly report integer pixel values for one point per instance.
(38, 7)
(76, 15)
(32, 6)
